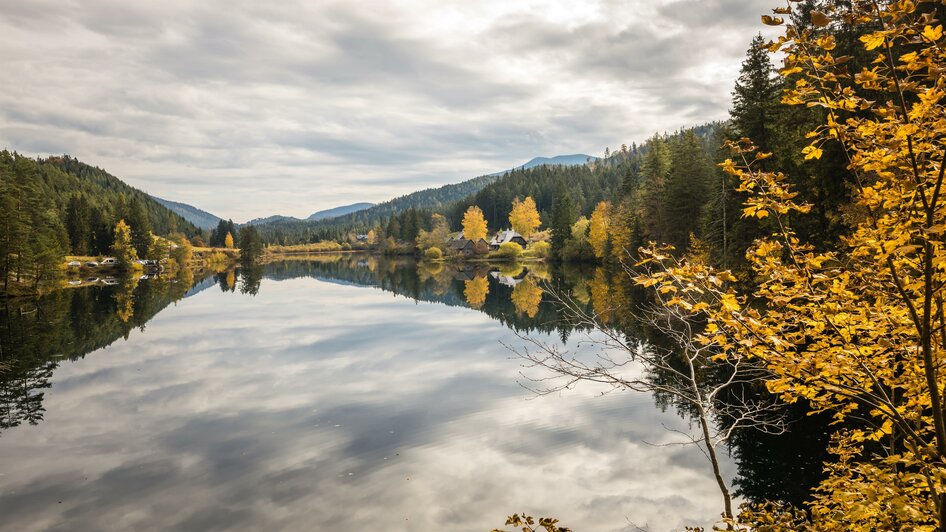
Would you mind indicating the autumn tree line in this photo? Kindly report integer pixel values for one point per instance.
(827, 269)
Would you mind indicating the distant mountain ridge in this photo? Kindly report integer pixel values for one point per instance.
(436, 199)
(276, 218)
(198, 217)
(560, 160)
(339, 211)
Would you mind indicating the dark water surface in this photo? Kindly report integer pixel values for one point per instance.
(324, 398)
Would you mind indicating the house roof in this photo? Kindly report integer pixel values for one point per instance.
(504, 236)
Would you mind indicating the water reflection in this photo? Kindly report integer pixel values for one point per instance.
(318, 404)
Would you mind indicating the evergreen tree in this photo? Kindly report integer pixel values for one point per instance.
(219, 234)
(137, 220)
(686, 190)
(251, 246)
(411, 225)
(655, 167)
(755, 97)
(79, 225)
(563, 215)
(101, 232)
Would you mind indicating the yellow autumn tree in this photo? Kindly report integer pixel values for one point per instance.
(228, 242)
(524, 217)
(859, 332)
(475, 291)
(599, 232)
(122, 246)
(474, 224)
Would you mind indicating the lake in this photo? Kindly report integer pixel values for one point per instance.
(339, 393)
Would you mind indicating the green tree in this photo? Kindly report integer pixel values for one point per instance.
(563, 215)
(686, 190)
(755, 96)
(140, 225)
(79, 224)
(251, 245)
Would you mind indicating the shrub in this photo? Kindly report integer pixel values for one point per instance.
(508, 250)
(433, 253)
(540, 250)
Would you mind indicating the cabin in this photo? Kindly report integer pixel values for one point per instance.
(463, 246)
(507, 235)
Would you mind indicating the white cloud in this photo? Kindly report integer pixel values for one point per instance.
(250, 109)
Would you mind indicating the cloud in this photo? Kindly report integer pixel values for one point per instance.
(249, 109)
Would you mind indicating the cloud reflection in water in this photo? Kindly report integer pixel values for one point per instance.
(323, 406)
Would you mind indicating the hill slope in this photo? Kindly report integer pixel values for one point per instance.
(339, 211)
(433, 199)
(198, 217)
(61, 177)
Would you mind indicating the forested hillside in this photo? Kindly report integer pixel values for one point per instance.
(55, 206)
(293, 232)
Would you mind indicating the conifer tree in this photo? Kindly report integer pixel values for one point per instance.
(563, 214)
(79, 224)
(755, 96)
(140, 226)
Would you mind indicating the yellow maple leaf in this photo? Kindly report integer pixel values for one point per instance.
(730, 303)
(933, 34)
(872, 40)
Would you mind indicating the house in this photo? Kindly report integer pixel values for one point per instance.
(507, 235)
(463, 246)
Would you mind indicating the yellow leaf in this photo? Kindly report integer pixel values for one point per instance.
(730, 303)
(812, 152)
(872, 40)
(772, 21)
(933, 34)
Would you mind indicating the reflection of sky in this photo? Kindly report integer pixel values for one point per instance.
(321, 406)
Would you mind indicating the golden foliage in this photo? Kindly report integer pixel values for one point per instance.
(858, 332)
(524, 217)
(474, 224)
(228, 242)
(526, 297)
(475, 291)
(598, 233)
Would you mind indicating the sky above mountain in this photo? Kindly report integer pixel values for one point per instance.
(248, 108)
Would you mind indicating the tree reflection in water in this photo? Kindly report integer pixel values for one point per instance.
(35, 335)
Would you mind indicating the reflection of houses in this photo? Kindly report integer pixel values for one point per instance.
(505, 279)
(459, 244)
(508, 235)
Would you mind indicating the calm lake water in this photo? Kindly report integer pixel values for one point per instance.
(344, 393)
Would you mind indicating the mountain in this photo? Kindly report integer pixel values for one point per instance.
(198, 217)
(274, 219)
(339, 211)
(577, 159)
(289, 230)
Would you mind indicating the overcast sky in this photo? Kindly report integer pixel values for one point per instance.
(248, 109)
